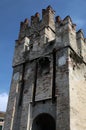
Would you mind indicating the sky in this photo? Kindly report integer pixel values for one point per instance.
(12, 12)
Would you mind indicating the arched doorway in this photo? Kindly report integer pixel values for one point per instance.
(43, 122)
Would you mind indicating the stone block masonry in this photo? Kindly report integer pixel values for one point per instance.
(49, 76)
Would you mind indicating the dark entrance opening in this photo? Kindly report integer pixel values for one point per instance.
(43, 122)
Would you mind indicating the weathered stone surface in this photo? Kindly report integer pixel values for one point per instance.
(49, 76)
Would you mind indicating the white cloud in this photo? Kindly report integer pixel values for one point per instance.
(3, 101)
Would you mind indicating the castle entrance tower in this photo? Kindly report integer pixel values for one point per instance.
(48, 88)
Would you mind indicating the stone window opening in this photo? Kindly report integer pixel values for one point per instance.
(26, 44)
(26, 47)
(44, 65)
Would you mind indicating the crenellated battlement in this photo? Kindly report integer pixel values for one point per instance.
(37, 26)
(66, 35)
(47, 20)
(65, 24)
(80, 34)
(36, 33)
(48, 86)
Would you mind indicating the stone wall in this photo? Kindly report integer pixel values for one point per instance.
(77, 90)
(49, 74)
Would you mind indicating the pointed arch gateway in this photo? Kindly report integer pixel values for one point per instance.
(43, 121)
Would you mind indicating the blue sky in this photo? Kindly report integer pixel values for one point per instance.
(12, 12)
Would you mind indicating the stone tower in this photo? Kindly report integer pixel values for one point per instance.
(48, 88)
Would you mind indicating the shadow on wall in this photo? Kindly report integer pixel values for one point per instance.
(43, 121)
